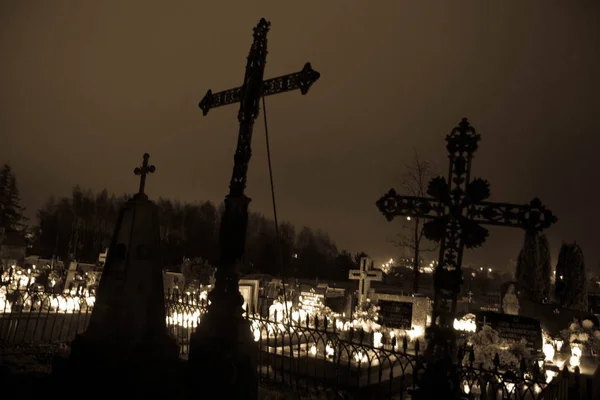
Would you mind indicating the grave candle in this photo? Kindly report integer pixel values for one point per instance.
(549, 352)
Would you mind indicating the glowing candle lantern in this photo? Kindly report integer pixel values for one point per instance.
(574, 361)
(313, 350)
(329, 351)
(256, 334)
(549, 352)
(377, 339)
(559, 344)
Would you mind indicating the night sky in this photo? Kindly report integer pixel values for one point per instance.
(87, 87)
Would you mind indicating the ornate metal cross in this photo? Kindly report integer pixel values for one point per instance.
(364, 276)
(232, 236)
(219, 336)
(249, 94)
(456, 211)
(144, 170)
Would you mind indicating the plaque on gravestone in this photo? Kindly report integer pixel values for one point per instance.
(512, 327)
(395, 314)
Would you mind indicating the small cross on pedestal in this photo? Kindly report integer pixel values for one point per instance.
(144, 170)
(364, 276)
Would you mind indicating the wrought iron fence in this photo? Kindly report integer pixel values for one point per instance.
(313, 353)
(527, 380)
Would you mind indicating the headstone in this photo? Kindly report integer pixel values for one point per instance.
(70, 274)
(420, 307)
(510, 301)
(249, 291)
(395, 314)
(311, 301)
(552, 318)
(126, 342)
(512, 327)
(335, 299)
(173, 282)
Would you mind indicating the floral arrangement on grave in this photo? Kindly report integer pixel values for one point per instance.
(487, 343)
(583, 338)
(92, 279)
(198, 273)
(365, 317)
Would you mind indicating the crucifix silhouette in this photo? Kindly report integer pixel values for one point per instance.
(144, 170)
(232, 235)
(364, 276)
(456, 210)
(224, 316)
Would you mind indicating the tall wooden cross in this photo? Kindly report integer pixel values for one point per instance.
(364, 276)
(144, 170)
(456, 212)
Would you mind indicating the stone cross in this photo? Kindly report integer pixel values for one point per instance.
(144, 170)
(364, 276)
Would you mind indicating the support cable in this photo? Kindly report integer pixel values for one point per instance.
(278, 243)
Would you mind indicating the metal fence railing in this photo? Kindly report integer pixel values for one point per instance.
(305, 354)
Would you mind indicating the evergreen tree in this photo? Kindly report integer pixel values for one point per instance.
(545, 266)
(11, 212)
(571, 283)
(533, 267)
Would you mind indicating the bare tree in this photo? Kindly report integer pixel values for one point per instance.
(414, 183)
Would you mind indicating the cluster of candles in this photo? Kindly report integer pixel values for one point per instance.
(19, 279)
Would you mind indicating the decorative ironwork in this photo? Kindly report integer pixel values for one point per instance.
(456, 212)
(232, 235)
(144, 170)
(347, 362)
(302, 80)
(223, 319)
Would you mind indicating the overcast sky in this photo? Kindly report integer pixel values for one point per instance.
(86, 87)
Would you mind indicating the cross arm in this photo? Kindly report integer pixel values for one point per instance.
(533, 215)
(393, 205)
(302, 80)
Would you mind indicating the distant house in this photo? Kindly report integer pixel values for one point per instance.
(12, 247)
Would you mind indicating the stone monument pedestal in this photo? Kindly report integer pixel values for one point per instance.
(127, 348)
(146, 369)
(223, 356)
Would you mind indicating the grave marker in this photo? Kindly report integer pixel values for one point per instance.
(420, 307)
(395, 314)
(364, 276)
(512, 327)
(457, 209)
(223, 353)
(127, 329)
(249, 290)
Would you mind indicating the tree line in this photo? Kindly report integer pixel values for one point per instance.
(80, 227)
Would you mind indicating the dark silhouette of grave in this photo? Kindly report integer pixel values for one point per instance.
(456, 212)
(222, 353)
(126, 344)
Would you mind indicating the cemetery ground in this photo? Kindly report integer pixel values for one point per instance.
(319, 356)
